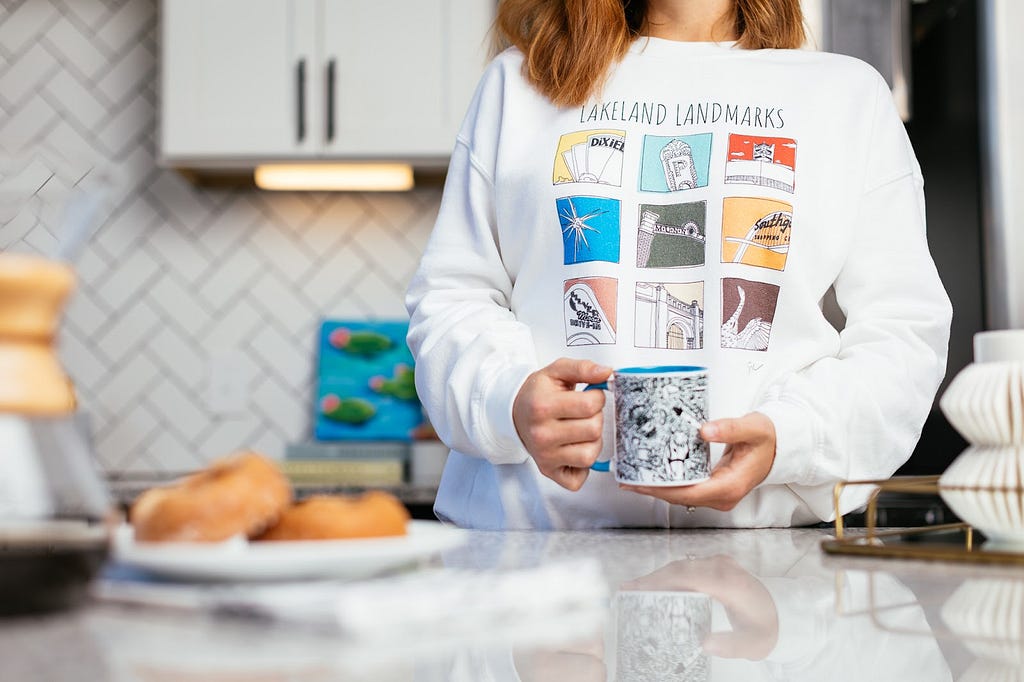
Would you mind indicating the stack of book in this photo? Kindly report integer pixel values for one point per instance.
(347, 464)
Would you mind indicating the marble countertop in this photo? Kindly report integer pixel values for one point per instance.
(679, 605)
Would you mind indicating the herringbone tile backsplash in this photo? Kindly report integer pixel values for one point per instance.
(179, 283)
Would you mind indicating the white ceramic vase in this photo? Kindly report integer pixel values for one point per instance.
(987, 614)
(985, 403)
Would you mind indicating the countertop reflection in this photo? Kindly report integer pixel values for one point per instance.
(681, 605)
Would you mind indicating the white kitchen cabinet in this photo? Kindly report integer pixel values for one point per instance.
(230, 78)
(401, 87)
(256, 80)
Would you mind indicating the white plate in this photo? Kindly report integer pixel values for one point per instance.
(237, 559)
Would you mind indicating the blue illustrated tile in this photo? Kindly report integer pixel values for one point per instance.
(674, 164)
(365, 382)
(590, 229)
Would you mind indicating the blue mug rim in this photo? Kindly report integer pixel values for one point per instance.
(661, 369)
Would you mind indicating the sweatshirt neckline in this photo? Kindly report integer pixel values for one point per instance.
(649, 45)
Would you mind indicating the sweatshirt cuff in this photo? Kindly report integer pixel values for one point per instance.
(503, 444)
(794, 442)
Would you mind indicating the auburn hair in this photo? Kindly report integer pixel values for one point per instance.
(570, 46)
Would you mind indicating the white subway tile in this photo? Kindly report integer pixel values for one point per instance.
(128, 74)
(231, 435)
(179, 306)
(229, 277)
(124, 382)
(128, 280)
(168, 452)
(75, 49)
(180, 254)
(178, 410)
(121, 235)
(289, 417)
(22, 26)
(126, 127)
(119, 447)
(27, 74)
(84, 315)
(21, 130)
(280, 355)
(234, 327)
(129, 333)
(129, 20)
(177, 356)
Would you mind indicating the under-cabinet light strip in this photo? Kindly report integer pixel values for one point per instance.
(357, 177)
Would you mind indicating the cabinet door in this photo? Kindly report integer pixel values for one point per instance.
(232, 78)
(404, 72)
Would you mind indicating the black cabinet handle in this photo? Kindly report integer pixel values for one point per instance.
(330, 100)
(300, 84)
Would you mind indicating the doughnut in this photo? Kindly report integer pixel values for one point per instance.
(325, 517)
(240, 494)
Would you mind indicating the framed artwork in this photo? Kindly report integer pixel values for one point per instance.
(365, 383)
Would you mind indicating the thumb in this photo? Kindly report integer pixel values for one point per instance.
(746, 429)
(573, 371)
(724, 644)
(753, 646)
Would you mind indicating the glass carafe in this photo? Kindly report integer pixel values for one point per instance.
(56, 517)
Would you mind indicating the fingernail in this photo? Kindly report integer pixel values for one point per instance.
(709, 430)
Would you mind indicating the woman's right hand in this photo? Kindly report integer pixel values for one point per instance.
(560, 426)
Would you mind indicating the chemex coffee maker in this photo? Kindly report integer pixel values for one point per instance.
(55, 514)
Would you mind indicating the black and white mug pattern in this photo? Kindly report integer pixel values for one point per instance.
(657, 428)
(660, 636)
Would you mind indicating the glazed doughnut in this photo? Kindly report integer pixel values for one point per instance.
(240, 494)
(324, 517)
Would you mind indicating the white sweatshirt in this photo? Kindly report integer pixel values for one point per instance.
(694, 214)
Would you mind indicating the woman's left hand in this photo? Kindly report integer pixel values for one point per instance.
(746, 462)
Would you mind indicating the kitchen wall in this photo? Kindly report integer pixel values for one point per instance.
(179, 285)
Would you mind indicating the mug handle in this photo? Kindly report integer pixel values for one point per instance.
(606, 464)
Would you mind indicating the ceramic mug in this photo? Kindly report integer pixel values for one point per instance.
(660, 636)
(658, 415)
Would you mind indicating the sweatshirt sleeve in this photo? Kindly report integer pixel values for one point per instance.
(472, 354)
(858, 415)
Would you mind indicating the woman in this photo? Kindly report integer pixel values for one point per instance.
(678, 161)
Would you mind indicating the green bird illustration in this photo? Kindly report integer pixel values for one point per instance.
(401, 386)
(365, 343)
(347, 410)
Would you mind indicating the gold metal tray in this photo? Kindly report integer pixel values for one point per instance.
(945, 542)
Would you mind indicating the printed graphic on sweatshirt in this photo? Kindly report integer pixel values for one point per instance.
(589, 307)
(748, 309)
(672, 164)
(590, 156)
(756, 232)
(671, 236)
(669, 315)
(590, 229)
(763, 161)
